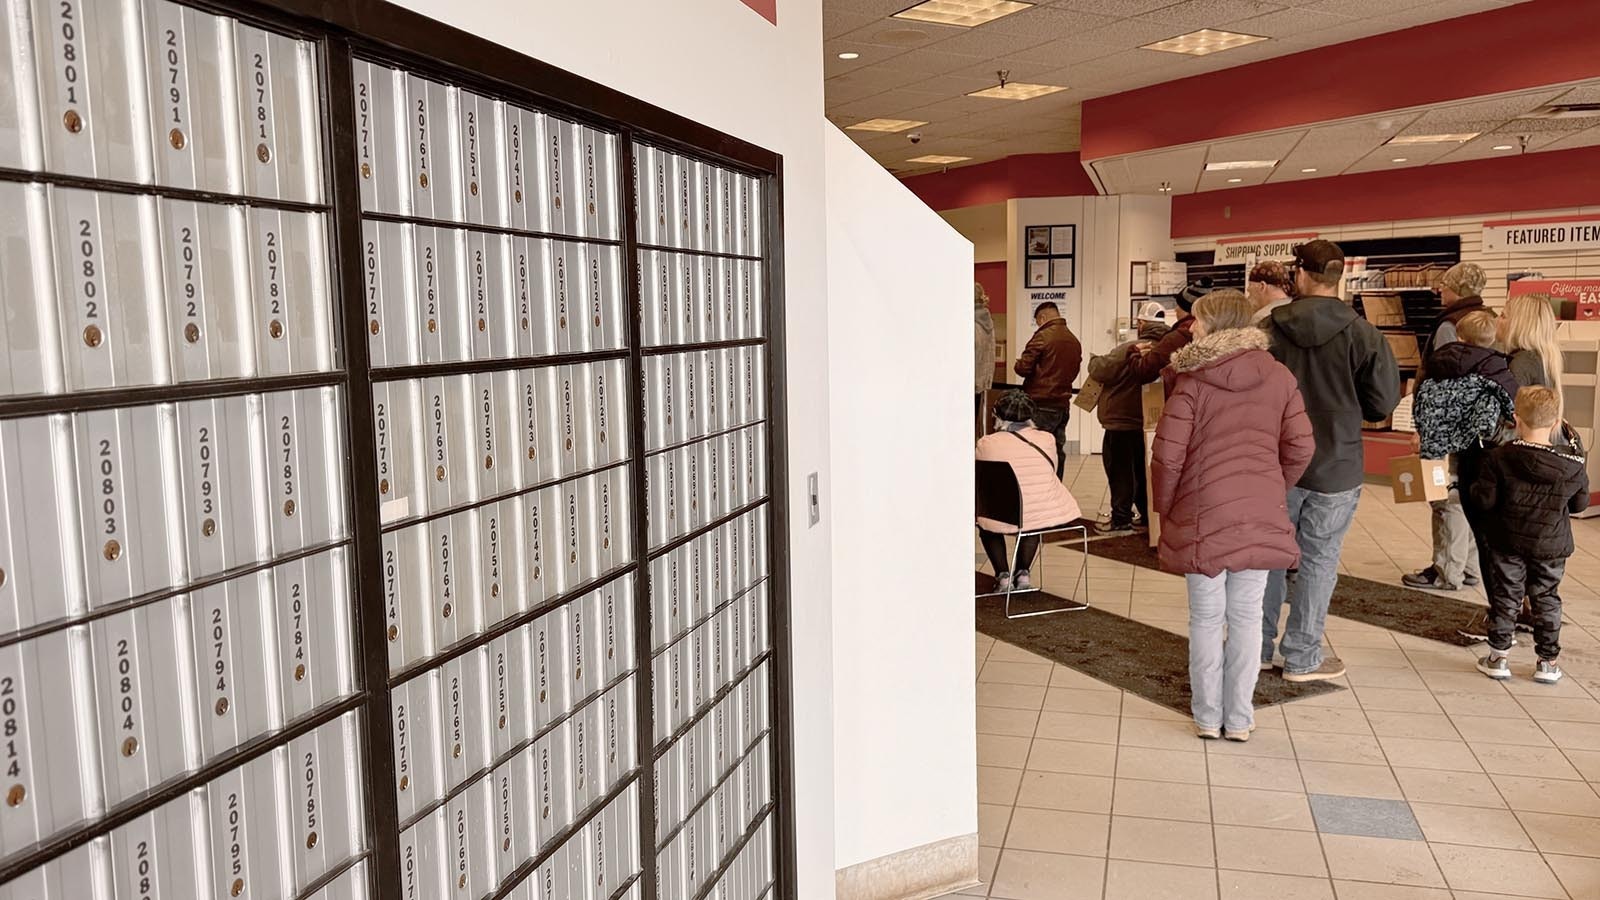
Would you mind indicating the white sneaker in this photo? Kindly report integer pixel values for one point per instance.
(1002, 584)
(1547, 672)
(1023, 582)
(1205, 733)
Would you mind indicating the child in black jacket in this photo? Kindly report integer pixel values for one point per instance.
(1527, 489)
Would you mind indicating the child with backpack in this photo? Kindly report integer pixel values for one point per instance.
(1526, 489)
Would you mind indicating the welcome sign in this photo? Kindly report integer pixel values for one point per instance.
(1538, 235)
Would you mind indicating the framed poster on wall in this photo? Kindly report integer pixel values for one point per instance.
(1051, 254)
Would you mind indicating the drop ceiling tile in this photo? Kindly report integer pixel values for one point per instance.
(1382, 159)
(849, 88)
(1130, 33)
(1286, 23)
(1479, 115)
(931, 62)
(1050, 22)
(1222, 181)
(1589, 137)
(954, 108)
(1270, 146)
(1540, 126)
(1333, 148)
(880, 9)
(1193, 14)
(899, 35)
(1438, 12)
(1583, 93)
(956, 85)
(987, 43)
(1065, 52)
(1362, 9)
(1122, 8)
(1483, 147)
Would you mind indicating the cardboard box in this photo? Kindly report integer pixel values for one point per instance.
(1088, 395)
(1406, 351)
(1383, 309)
(1152, 520)
(1154, 396)
(1415, 479)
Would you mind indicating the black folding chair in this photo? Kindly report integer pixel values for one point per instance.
(999, 497)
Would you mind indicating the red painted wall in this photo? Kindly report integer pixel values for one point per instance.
(992, 275)
(767, 8)
(1012, 178)
(1522, 46)
(1555, 180)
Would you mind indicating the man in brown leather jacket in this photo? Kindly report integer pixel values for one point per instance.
(1048, 366)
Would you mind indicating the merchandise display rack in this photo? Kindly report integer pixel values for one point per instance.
(357, 674)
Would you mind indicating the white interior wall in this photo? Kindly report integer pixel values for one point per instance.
(761, 83)
(905, 765)
(1560, 264)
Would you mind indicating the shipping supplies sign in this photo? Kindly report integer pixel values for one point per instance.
(1280, 247)
(1580, 232)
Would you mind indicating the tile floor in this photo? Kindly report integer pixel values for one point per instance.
(1423, 781)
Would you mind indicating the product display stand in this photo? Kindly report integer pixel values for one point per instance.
(390, 468)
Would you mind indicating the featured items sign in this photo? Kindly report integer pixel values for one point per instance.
(1241, 250)
(1535, 235)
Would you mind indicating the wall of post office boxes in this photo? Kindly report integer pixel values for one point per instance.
(480, 509)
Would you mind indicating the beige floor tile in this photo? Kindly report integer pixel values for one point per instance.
(1161, 734)
(1442, 824)
(1262, 886)
(1548, 795)
(1347, 748)
(1075, 757)
(1418, 753)
(1066, 677)
(1078, 700)
(1273, 742)
(1375, 657)
(1362, 890)
(1540, 762)
(1580, 875)
(1326, 719)
(1379, 699)
(1397, 679)
(1010, 696)
(1005, 652)
(1161, 840)
(1382, 860)
(1137, 707)
(1261, 809)
(1075, 793)
(1587, 762)
(1497, 871)
(1059, 726)
(993, 819)
(1161, 800)
(1150, 764)
(1567, 835)
(1574, 735)
(997, 785)
(1278, 851)
(1477, 730)
(1256, 772)
(1350, 780)
(1005, 751)
(1498, 704)
(1451, 788)
(1058, 831)
(1013, 722)
(1002, 671)
(1561, 709)
(1129, 880)
(1027, 875)
(1412, 725)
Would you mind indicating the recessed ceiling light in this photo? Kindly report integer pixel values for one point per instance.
(963, 13)
(1235, 180)
(1240, 164)
(1398, 159)
(1204, 42)
(1459, 138)
(1017, 90)
(888, 126)
(1504, 147)
(934, 159)
(849, 55)
(1307, 171)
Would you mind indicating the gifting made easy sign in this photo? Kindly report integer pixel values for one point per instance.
(1535, 235)
(1585, 292)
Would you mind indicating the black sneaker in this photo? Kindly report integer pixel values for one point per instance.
(1428, 579)
(1113, 527)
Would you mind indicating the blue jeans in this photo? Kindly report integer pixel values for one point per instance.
(1320, 522)
(1222, 672)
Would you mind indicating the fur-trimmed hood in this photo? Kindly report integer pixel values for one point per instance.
(1218, 346)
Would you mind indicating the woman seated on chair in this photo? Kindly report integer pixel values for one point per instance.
(1233, 439)
(1045, 500)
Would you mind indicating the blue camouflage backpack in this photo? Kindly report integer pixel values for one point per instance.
(1454, 414)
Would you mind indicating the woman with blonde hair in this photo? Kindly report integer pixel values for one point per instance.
(1528, 334)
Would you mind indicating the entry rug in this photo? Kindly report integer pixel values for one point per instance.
(1119, 651)
(1394, 607)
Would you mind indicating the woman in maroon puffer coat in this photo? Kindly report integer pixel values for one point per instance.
(1233, 438)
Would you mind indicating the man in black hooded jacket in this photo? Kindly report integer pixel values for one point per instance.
(1347, 375)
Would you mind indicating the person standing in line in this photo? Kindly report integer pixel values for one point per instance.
(1461, 290)
(1045, 500)
(1145, 366)
(1527, 489)
(1049, 364)
(1121, 414)
(1232, 440)
(1268, 286)
(982, 345)
(1347, 375)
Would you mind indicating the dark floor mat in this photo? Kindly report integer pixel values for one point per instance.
(1392, 606)
(1119, 651)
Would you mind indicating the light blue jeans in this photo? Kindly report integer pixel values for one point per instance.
(1320, 521)
(1223, 671)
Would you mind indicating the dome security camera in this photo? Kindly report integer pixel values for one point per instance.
(914, 137)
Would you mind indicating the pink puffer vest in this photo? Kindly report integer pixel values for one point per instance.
(1045, 500)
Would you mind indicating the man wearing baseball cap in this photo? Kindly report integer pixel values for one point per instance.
(1347, 375)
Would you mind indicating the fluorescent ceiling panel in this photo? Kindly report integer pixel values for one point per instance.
(963, 13)
(887, 126)
(1017, 90)
(1204, 42)
(934, 159)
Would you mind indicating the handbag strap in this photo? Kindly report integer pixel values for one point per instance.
(1035, 447)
